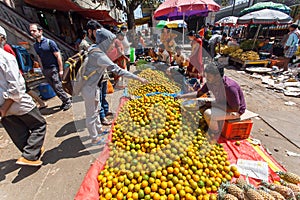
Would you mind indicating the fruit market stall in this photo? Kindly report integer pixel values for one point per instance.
(160, 150)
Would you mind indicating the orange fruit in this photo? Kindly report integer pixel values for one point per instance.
(156, 196)
(147, 190)
(114, 191)
(144, 183)
(135, 195)
(154, 187)
(171, 197)
(108, 196)
(173, 190)
(236, 174)
(109, 184)
(120, 196)
(164, 185)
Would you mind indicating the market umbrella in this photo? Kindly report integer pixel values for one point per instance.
(228, 21)
(171, 24)
(267, 5)
(179, 9)
(265, 16)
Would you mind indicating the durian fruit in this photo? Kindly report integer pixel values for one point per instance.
(289, 176)
(283, 190)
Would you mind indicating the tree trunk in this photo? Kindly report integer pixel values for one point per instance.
(130, 20)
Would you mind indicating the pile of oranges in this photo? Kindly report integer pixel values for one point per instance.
(158, 82)
(159, 151)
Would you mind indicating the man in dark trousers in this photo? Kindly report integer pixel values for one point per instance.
(19, 115)
(51, 63)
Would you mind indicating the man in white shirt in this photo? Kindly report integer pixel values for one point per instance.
(163, 55)
(19, 115)
(126, 45)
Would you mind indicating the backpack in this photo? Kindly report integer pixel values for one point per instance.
(72, 79)
(23, 57)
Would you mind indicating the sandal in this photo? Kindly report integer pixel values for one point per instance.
(105, 132)
(98, 141)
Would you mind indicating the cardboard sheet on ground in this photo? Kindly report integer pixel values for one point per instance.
(90, 186)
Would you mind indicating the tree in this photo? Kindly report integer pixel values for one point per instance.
(131, 5)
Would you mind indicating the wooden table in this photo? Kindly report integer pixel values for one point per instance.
(33, 82)
(249, 62)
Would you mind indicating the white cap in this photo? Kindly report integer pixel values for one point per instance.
(2, 31)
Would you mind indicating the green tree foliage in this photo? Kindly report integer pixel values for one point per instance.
(131, 5)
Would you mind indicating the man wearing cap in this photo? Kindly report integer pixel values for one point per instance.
(3, 43)
(51, 63)
(19, 115)
(291, 44)
(96, 64)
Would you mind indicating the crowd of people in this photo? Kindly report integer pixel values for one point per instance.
(107, 52)
(21, 117)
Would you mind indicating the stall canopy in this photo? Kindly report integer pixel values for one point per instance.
(265, 16)
(227, 21)
(171, 24)
(179, 9)
(267, 5)
(68, 5)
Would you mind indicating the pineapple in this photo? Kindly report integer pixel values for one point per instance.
(222, 195)
(240, 182)
(235, 191)
(265, 195)
(229, 197)
(294, 187)
(283, 190)
(290, 177)
(252, 194)
(274, 194)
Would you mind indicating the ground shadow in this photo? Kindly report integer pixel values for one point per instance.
(7, 167)
(69, 148)
(50, 110)
(24, 172)
(71, 127)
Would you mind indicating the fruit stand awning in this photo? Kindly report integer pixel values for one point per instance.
(68, 5)
(142, 21)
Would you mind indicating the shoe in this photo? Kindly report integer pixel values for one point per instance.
(106, 122)
(98, 141)
(24, 161)
(42, 150)
(109, 114)
(42, 107)
(66, 106)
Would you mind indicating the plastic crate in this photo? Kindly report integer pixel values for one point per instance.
(237, 130)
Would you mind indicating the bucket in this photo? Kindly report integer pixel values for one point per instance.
(46, 91)
(132, 55)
